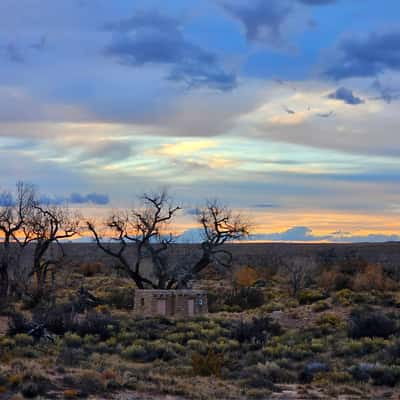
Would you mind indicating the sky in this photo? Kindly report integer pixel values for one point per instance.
(286, 110)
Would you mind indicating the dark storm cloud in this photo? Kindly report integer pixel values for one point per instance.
(262, 20)
(366, 56)
(347, 96)
(151, 38)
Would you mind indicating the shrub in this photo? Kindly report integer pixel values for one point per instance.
(70, 393)
(330, 322)
(255, 331)
(385, 375)
(70, 357)
(135, 352)
(361, 372)
(31, 390)
(208, 364)
(333, 377)
(246, 298)
(366, 323)
(311, 369)
(22, 339)
(320, 305)
(96, 323)
(309, 296)
(17, 323)
(72, 340)
(121, 298)
(258, 376)
(89, 382)
(90, 269)
(344, 297)
(372, 278)
(246, 277)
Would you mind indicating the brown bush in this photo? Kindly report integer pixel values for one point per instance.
(372, 278)
(90, 269)
(207, 365)
(246, 277)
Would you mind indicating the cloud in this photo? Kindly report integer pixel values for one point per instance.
(13, 53)
(76, 198)
(318, 2)
(149, 38)
(268, 22)
(265, 205)
(366, 56)
(347, 96)
(386, 93)
(305, 234)
(262, 20)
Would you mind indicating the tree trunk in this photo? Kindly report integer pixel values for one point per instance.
(4, 282)
(4, 278)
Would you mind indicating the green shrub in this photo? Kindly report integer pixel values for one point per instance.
(344, 297)
(122, 298)
(309, 296)
(320, 305)
(22, 339)
(330, 322)
(72, 340)
(197, 345)
(135, 352)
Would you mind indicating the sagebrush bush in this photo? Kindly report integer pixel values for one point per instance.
(255, 331)
(309, 296)
(88, 382)
(121, 298)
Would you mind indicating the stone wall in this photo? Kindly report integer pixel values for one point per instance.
(171, 303)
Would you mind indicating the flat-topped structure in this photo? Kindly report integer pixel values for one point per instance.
(170, 303)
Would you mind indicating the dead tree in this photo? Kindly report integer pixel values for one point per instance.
(143, 231)
(15, 209)
(48, 225)
(296, 270)
(219, 225)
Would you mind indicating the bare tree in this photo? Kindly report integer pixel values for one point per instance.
(15, 209)
(145, 229)
(219, 225)
(296, 270)
(47, 225)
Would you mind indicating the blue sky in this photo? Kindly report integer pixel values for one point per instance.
(285, 109)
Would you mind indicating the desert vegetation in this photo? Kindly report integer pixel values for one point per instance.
(289, 327)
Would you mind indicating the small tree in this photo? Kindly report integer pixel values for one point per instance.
(296, 270)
